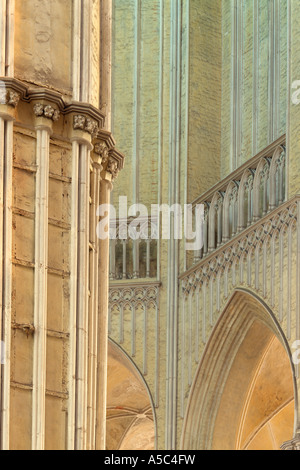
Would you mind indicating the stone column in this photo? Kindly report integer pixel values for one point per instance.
(96, 169)
(112, 163)
(7, 26)
(40, 288)
(45, 114)
(105, 190)
(8, 102)
(106, 66)
(79, 313)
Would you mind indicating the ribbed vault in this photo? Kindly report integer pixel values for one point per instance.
(130, 417)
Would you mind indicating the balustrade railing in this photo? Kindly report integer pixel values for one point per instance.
(132, 258)
(243, 198)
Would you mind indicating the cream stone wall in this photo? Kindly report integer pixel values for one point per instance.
(57, 164)
(205, 94)
(41, 29)
(196, 89)
(213, 93)
(254, 80)
(293, 122)
(166, 78)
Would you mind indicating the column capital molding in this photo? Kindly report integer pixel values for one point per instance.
(47, 111)
(111, 159)
(9, 100)
(85, 122)
(28, 93)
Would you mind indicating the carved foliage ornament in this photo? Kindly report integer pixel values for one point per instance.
(86, 124)
(9, 97)
(113, 168)
(48, 112)
(102, 150)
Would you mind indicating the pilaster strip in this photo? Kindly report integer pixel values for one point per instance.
(133, 330)
(183, 322)
(204, 313)
(145, 355)
(271, 6)
(277, 75)
(76, 49)
(174, 197)
(73, 295)
(6, 298)
(82, 299)
(2, 37)
(190, 342)
(137, 99)
(85, 65)
(237, 68)
(197, 341)
(281, 274)
(298, 283)
(2, 250)
(40, 288)
(255, 76)
(10, 39)
(157, 356)
(289, 281)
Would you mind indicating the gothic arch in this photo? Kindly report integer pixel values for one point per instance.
(131, 423)
(245, 334)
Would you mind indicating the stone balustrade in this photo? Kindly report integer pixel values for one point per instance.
(243, 198)
(131, 258)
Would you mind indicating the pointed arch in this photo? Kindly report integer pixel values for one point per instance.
(224, 376)
(131, 419)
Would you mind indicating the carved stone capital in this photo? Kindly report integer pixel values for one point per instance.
(46, 111)
(113, 168)
(85, 124)
(294, 444)
(101, 149)
(9, 97)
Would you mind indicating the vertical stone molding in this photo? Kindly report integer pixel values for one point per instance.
(81, 368)
(81, 50)
(50, 189)
(6, 164)
(73, 295)
(40, 285)
(83, 298)
(79, 302)
(7, 26)
(105, 192)
(95, 171)
(106, 63)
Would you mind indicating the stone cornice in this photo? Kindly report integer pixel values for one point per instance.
(28, 93)
(50, 104)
